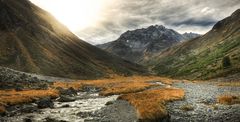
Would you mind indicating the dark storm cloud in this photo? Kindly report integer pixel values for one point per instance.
(193, 22)
(181, 15)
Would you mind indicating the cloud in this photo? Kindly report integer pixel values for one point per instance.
(195, 22)
(185, 15)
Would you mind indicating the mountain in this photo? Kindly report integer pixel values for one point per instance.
(189, 36)
(34, 41)
(214, 54)
(138, 44)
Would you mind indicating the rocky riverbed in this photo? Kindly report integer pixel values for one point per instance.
(85, 106)
(200, 104)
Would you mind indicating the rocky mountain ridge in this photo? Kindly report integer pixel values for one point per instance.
(139, 44)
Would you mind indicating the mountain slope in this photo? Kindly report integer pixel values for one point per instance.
(138, 44)
(214, 54)
(34, 41)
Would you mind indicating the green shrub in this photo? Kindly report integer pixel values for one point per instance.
(226, 62)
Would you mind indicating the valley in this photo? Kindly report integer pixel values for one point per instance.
(149, 74)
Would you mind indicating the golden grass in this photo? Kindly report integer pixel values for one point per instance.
(228, 99)
(111, 86)
(150, 104)
(187, 107)
(232, 84)
(125, 87)
(117, 84)
(19, 97)
(76, 85)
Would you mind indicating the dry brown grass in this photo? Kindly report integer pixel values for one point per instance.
(125, 87)
(12, 97)
(232, 84)
(228, 99)
(150, 104)
(76, 85)
(117, 84)
(110, 86)
(187, 107)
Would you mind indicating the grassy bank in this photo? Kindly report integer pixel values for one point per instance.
(150, 104)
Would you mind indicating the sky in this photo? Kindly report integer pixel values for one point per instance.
(101, 21)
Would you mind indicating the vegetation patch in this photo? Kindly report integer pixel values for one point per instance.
(187, 107)
(231, 84)
(112, 86)
(117, 84)
(13, 97)
(150, 104)
(228, 99)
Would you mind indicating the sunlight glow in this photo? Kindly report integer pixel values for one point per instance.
(75, 14)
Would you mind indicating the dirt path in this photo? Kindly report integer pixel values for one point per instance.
(201, 97)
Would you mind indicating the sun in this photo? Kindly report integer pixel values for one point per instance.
(75, 14)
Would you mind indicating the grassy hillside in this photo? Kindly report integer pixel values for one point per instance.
(214, 54)
(34, 41)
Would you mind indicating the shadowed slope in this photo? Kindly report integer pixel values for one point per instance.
(34, 41)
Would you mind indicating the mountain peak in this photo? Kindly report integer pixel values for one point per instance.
(228, 22)
(160, 27)
(136, 44)
(236, 13)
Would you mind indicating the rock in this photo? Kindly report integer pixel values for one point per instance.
(162, 119)
(43, 86)
(45, 103)
(27, 120)
(70, 91)
(91, 89)
(29, 108)
(19, 88)
(109, 103)
(64, 98)
(48, 119)
(84, 114)
(66, 106)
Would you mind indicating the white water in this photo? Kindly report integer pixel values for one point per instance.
(91, 103)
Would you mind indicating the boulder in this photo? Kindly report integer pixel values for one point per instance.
(45, 103)
(27, 120)
(66, 106)
(69, 91)
(64, 98)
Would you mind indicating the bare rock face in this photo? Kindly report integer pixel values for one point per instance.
(136, 45)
